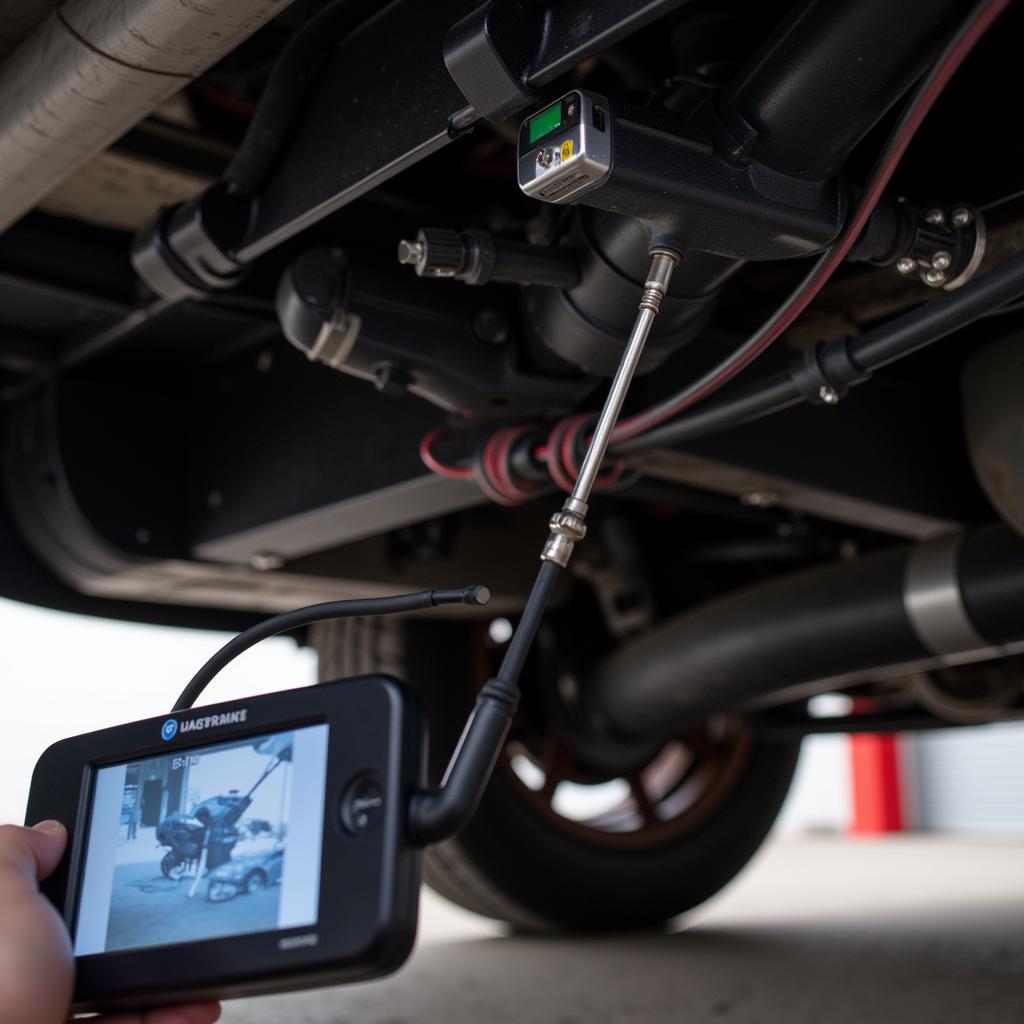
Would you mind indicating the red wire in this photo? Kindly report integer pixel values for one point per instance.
(938, 79)
(560, 441)
(432, 463)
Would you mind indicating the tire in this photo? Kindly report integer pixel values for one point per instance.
(220, 892)
(255, 881)
(518, 865)
(172, 866)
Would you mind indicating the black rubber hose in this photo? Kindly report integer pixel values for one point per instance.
(805, 115)
(936, 320)
(762, 399)
(287, 621)
(815, 624)
(839, 619)
(901, 337)
(281, 101)
(441, 813)
(522, 640)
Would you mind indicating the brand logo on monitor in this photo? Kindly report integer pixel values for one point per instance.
(172, 727)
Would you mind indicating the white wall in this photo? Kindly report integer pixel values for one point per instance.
(821, 798)
(62, 674)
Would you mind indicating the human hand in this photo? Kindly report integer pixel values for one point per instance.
(36, 965)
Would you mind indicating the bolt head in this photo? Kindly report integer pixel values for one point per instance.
(828, 395)
(568, 688)
(266, 561)
(941, 260)
(935, 216)
(906, 265)
(962, 217)
(848, 550)
(760, 499)
(934, 278)
(491, 326)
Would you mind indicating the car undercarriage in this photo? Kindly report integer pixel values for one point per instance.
(225, 394)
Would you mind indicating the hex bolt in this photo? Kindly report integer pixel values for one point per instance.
(906, 265)
(266, 561)
(933, 278)
(568, 689)
(935, 216)
(828, 395)
(848, 550)
(941, 260)
(491, 326)
(760, 499)
(962, 217)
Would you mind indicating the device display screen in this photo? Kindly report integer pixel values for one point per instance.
(212, 841)
(546, 121)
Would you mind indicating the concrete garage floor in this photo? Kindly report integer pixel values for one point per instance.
(908, 930)
(147, 908)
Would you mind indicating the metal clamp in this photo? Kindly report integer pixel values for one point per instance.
(934, 602)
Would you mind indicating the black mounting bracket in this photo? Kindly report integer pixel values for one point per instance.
(187, 251)
(503, 53)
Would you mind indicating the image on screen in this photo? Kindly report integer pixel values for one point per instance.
(213, 841)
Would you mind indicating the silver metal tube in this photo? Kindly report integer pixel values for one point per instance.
(568, 526)
(663, 262)
(613, 406)
(94, 69)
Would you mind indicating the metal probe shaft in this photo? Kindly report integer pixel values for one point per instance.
(440, 813)
(568, 526)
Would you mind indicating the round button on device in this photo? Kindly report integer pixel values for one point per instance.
(362, 804)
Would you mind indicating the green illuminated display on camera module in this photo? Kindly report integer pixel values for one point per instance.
(546, 121)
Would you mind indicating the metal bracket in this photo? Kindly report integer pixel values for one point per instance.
(187, 251)
(505, 51)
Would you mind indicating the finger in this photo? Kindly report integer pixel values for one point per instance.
(31, 853)
(199, 1013)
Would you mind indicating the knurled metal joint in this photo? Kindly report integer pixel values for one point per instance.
(663, 262)
(567, 529)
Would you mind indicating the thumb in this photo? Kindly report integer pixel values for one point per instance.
(32, 852)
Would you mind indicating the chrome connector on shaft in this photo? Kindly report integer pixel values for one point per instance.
(568, 526)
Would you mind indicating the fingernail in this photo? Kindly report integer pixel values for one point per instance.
(48, 826)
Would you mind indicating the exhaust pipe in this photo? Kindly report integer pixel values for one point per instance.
(94, 69)
(949, 601)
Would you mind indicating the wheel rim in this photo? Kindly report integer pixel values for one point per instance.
(255, 884)
(680, 786)
(674, 793)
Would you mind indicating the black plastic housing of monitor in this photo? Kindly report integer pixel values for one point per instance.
(370, 879)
